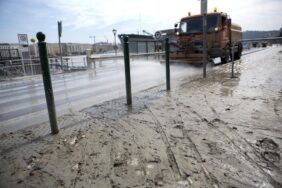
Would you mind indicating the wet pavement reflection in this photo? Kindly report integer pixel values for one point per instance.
(23, 101)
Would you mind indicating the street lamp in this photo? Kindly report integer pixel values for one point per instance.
(93, 41)
(115, 46)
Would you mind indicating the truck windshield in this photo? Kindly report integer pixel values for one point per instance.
(195, 25)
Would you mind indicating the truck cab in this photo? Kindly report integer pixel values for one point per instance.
(219, 32)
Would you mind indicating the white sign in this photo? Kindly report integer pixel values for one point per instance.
(23, 40)
(204, 6)
(60, 29)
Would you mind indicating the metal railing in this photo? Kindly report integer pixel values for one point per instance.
(19, 67)
(30, 67)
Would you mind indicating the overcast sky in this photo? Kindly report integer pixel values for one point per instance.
(84, 18)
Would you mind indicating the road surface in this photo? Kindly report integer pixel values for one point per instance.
(213, 132)
(22, 101)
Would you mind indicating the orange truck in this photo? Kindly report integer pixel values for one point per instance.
(219, 33)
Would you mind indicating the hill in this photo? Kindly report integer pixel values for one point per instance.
(260, 34)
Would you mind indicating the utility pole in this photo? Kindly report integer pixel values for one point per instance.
(204, 7)
(93, 42)
(115, 45)
(59, 35)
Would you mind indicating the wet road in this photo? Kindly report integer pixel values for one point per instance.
(22, 102)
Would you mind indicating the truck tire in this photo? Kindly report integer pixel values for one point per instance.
(226, 55)
(238, 54)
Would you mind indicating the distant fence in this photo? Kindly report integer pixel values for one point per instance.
(7, 54)
(19, 67)
(27, 67)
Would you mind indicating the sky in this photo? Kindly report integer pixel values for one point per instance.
(84, 18)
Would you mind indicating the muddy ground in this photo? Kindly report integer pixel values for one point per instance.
(213, 132)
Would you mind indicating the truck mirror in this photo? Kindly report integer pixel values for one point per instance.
(229, 22)
(175, 28)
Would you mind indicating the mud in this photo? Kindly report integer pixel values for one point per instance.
(214, 132)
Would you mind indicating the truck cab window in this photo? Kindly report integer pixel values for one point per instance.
(212, 22)
(194, 25)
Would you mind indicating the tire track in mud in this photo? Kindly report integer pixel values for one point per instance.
(257, 156)
(170, 155)
(111, 173)
(96, 164)
(211, 107)
(254, 151)
(81, 162)
(126, 160)
(143, 160)
(111, 163)
(250, 126)
(105, 166)
(209, 176)
(279, 100)
(247, 158)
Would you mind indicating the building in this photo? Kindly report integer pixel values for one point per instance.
(102, 47)
(75, 48)
(149, 43)
(140, 43)
(67, 49)
(53, 49)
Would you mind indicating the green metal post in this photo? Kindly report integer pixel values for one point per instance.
(127, 71)
(47, 82)
(205, 45)
(167, 64)
(231, 48)
(232, 59)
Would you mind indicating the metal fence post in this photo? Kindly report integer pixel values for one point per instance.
(47, 82)
(232, 56)
(22, 61)
(127, 71)
(231, 47)
(167, 64)
(204, 45)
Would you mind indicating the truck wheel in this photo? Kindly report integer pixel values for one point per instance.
(238, 54)
(226, 57)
